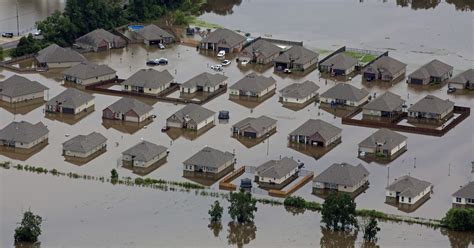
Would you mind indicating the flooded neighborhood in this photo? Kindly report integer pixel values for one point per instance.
(371, 99)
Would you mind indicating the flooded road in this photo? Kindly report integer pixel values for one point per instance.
(103, 213)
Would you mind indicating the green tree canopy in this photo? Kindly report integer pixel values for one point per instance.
(216, 211)
(370, 230)
(29, 229)
(460, 219)
(58, 29)
(339, 212)
(242, 206)
(27, 45)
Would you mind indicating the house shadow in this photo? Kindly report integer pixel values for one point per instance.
(22, 108)
(251, 142)
(198, 95)
(174, 133)
(126, 127)
(70, 119)
(240, 234)
(207, 179)
(407, 208)
(82, 161)
(337, 239)
(324, 193)
(20, 153)
(144, 171)
(251, 102)
(313, 151)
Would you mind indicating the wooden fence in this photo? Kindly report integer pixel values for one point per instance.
(226, 183)
(292, 189)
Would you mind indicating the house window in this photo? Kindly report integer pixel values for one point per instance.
(469, 200)
(458, 199)
(409, 199)
(403, 198)
(125, 87)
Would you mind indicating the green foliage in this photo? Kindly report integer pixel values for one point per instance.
(216, 211)
(459, 219)
(370, 230)
(1, 53)
(242, 206)
(114, 176)
(29, 229)
(143, 10)
(295, 201)
(180, 18)
(339, 212)
(58, 28)
(27, 45)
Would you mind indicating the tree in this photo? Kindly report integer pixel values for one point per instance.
(27, 45)
(370, 230)
(339, 212)
(242, 206)
(29, 229)
(459, 219)
(1, 53)
(114, 176)
(216, 212)
(58, 29)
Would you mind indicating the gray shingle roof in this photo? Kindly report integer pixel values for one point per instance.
(223, 35)
(258, 124)
(385, 63)
(94, 38)
(299, 90)
(125, 104)
(149, 78)
(210, 157)
(56, 54)
(311, 127)
(84, 143)
(340, 61)
(87, 70)
(15, 86)
(145, 151)
(467, 191)
(205, 79)
(153, 32)
(343, 174)
(346, 92)
(408, 186)
(71, 98)
(194, 112)
(383, 138)
(387, 102)
(298, 54)
(434, 68)
(277, 168)
(464, 77)
(23, 131)
(253, 83)
(431, 104)
(262, 48)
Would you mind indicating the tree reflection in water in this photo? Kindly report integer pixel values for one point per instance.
(294, 211)
(215, 227)
(27, 245)
(241, 234)
(459, 239)
(460, 5)
(220, 7)
(336, 239)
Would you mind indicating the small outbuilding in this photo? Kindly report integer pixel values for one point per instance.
(210, 161)
(299, 93)
(464, 80)
(204, 82)
(432, 108)
(191, 116)
(385, 68)
(87, 73)
(84, 146)
(254, 127)
(148, 81)
(260, 51)
(70, 101)
(408, 190)
(296, 58)
(253, 85)
(276, 174)
(433, 72)
(342, 177)
(100, 40)
(154, 35)
(55, 56)
(386, 105)
(316, 133)
(128, 109)
(339, 64)
(24, 135)
(345, 94)
(223, 39)
(17, 89)
(384, 143)
(144, 154)
(464, 197)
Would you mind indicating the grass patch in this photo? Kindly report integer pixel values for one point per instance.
(322, 51)
(364, 58)
(195, 21)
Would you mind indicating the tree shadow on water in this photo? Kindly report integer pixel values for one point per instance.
(459, 239)
(241, 234)
(336, 239)
(215, 227)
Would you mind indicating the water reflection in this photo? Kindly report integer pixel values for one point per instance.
(220, 7)
(27, 245)
(459, 239)
(241, 234)
(294, 211)
(462, 5)
(336, 239)
(215, 227)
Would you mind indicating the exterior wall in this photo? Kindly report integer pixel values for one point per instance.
(62, 65)
(430, 115)
(86, 154)
(174, 123)
(341, 188)
(277, 180)
(298, 101)
(152, 91)
(205, 122)
(457, 86)
(90, 81)
(23, 98)
(187, 90)
(398, 148)
(32, 144)
(206, 169)
(423, 80)
(348, 103)
(408, 200)
(372, 112)
(463, 201)
(53, 107)
(373, 150)
(144, 164)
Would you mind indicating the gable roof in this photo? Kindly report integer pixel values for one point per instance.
(56, 54)
(258, 124)
(253, 83)
(87, 70)
(299, 55)
(467, 191)
(94, 38)
(71, 98)
(431, 104)
(408, 186)
(194, 112)
(340, 61)
(434, 68)
(153, 32)
(23, 131)
(263, 48)
(299, 90)
(210, 157)
(277, 168)
(224, 36)
(145, 151)
(312, 126)
(464, 77)
(84, 143)
(343, 174)
(149, 78)
(15, 86)
(125, 104)
(346, 92)
(383, 138)
(205, 79)
(385, 64)
(387, 102)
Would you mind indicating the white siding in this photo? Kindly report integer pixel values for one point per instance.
(205, 122)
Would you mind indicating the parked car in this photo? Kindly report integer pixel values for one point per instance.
(161, 46)
(37, 33)
(160, 61)
(223, 115)
(451, 90)
(216, 67)
(7, 35)
(287, 71)
(244, 62)
(164, 129)
(226, 62)
(221, 53)
(246, 183)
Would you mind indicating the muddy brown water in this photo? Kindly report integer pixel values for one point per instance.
(103, 213)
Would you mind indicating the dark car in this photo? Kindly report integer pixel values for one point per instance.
(223, 115)
(7, 35)
(160, 61)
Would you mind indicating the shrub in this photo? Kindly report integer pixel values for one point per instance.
(459, 219)
(29, 229)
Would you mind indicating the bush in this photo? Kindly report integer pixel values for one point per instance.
(242, 206)
(295, 201)
(27, 45)
(216, 211)
(29, 229)
(339, 212)
(459, 219)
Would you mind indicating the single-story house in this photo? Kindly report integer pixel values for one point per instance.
(154, 35)
(340, 64)
(83, 146)
(386, 105)
(191, 116)
(408, 190)
(100, 40)
(23, 134)
(433, 72)
(299, 93)
(296, 58)
(87, 73)
(55, 56)
(464, 80)
(205, 82)
(128, 109)
(342, 177)
(251, 127)
(70, 101)
(144, 154)
(223, 39)
(148, 81)
(464, 197)
(209, 160)
(384, 142)
(345, 94)
(260, 51)
(19, 89)
(316, 133)
(385, 68)
(276, 173)
(431, 107)
(253, 85)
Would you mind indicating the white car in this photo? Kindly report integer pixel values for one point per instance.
(244, 62)
(226, 62)
(161, 46)
(216, 67)
(221, 53)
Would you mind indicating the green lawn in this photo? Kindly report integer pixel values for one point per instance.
(195, 21)
(364, 58)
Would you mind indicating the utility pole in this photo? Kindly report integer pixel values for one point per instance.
(17, 20)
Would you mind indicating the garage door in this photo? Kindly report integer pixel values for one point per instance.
(154, 42)
(250, 135)
(416, 81)
(68, 110)
(223, 48)
(369, 76)
(173, 124)
(131, 118)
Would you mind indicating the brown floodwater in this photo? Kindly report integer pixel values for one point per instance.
(98, 214)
